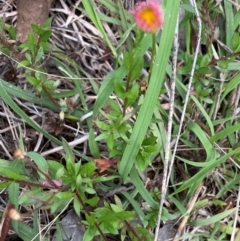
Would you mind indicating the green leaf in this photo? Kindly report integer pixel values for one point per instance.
(59, 173)
(36, 29)
(64, 195)
(223, 64)
(12, 32)
(92, 201)
(32, 80)
(137, 70)
(31, 43)
(203, 70)
(27, 233)
(88, 169)
(48, 23)
(28, 57)
(118, 88)
(45, 36)
(151, 149)
(5, 184)
(140, 161)
(235, 42)
(69, 156)
(110, 141)
(23, 63)
(39, 160)
(149, 141)
(89, 190)
(9, 173)
(132, 94)
(77, 206)
(93, 146)
(90, 233)
(39, 54)
(103, 126)
(127, 60)
(205, 60)
(125, 215)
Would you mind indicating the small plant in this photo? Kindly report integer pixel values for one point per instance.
(52, 185)
(35, 51)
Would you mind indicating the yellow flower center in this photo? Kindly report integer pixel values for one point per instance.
(148, 16)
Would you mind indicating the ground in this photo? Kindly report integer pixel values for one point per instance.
(110, 133)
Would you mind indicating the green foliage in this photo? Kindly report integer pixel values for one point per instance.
(127, 123)
(35, 50)
(111, 219)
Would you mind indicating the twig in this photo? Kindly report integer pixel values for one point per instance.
(169, 132)
(164, 185)
(193, 2)
(52, 222)
(235, 4)
(236, 217)
(71, 144)
(89, 214)
(190, 207)
(236, 101)
(222, 78)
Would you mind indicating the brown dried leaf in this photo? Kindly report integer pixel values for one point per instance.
(104, 164)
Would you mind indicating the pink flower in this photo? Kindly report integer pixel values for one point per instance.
(148, 16)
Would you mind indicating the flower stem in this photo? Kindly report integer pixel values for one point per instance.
(153, 54)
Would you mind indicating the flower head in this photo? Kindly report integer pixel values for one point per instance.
(148, 16)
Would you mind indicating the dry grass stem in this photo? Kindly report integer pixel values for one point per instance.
(167, 166)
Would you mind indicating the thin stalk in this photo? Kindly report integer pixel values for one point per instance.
(88, 213)
(126, 90)
(153, 54)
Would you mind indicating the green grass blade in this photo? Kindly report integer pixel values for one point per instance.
(201, 108)
(124, 23)
(196, 179)
(225, 132)
(8, 100)
(110, 5)
(89, 7)
(27, 95)
(136, 207)
(208, 147)
(141, 189)
(27, 233)
(231, 85)
(156, 82)
(229, 22)
(213, 219)
(107, 88)
(93, 146)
